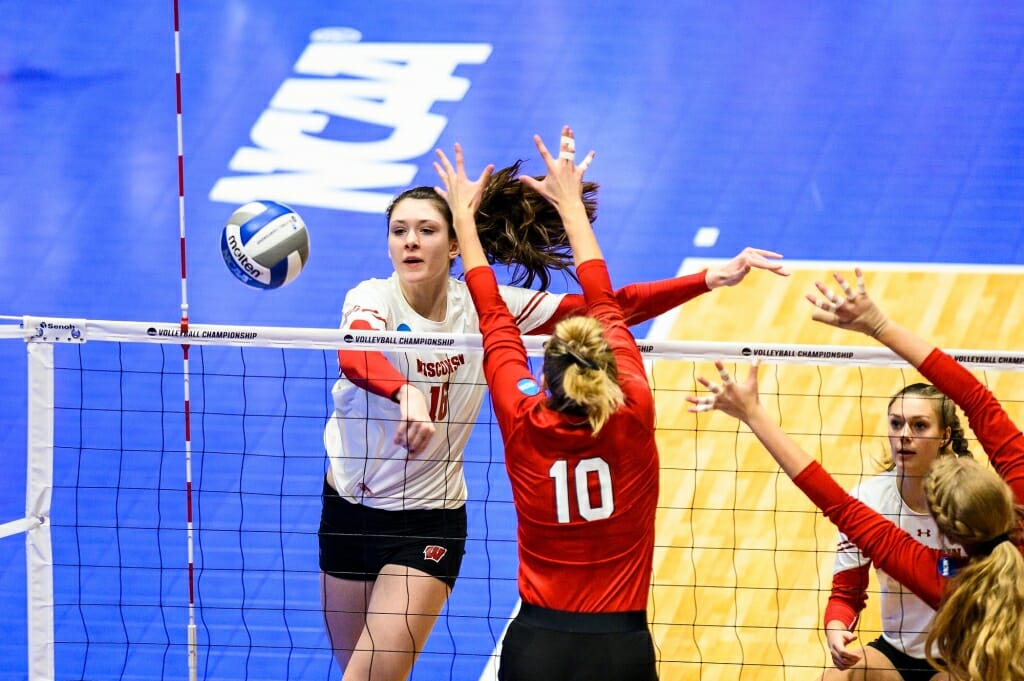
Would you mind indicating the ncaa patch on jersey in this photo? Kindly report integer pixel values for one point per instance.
(528, 386)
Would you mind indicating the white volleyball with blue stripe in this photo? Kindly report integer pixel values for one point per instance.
(265, 244)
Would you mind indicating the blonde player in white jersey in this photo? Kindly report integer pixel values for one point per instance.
(393, 528)
(923, 425)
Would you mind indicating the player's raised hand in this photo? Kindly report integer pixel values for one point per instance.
(733, 272)
(737, 399)
(564, 180)
(854, 310)
(461, 193)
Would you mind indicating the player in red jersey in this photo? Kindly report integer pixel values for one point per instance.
(579, 451)
(393, 522)
(978, 629)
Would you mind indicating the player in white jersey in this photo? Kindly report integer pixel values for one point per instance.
(393, 528)
(451, 380)
(923, 425)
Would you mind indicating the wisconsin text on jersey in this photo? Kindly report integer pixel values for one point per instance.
(441, 368)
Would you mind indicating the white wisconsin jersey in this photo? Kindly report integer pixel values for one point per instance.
(368, 467)
(906, 619)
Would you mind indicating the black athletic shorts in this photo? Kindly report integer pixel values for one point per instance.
(356, 541)
(553, 645)
(910, 668)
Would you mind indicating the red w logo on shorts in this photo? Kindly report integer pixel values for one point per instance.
(434, 553)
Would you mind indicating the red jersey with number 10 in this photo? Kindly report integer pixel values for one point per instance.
(585, 506)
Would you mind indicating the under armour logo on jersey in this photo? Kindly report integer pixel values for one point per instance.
(924, 533)
(434, 553)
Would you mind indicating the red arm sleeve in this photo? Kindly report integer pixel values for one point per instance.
(603, 304)
(849, 596)
(639, 302)
(370, 371)
(998, 435)
(505, 360)
(889, 548)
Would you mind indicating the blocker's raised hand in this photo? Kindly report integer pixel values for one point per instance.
(461, 193)
(854, 310)
(564, 181)
(738, 400)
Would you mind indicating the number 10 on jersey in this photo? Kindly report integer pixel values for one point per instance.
(580, 480)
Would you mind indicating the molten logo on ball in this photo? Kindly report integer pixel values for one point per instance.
(265, 244)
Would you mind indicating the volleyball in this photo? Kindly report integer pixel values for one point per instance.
(265, 244)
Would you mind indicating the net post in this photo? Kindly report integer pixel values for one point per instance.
(38, 491)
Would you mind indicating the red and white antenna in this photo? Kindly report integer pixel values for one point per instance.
(193, 656)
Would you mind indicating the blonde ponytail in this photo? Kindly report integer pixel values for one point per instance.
(581, 373)
(978, 630)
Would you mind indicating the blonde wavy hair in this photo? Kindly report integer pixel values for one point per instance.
(978, 629)
(581, 373)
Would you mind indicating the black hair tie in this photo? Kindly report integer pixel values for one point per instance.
(577, 358)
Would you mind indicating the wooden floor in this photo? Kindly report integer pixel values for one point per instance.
(743, 562)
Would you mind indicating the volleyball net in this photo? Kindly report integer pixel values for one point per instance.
(123, 549)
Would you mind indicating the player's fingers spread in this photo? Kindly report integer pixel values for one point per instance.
(440, 172)
(444, 161)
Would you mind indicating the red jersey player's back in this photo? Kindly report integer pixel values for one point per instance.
(581, 457)
(585, 501)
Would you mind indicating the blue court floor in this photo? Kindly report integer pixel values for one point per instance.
(873, 131)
